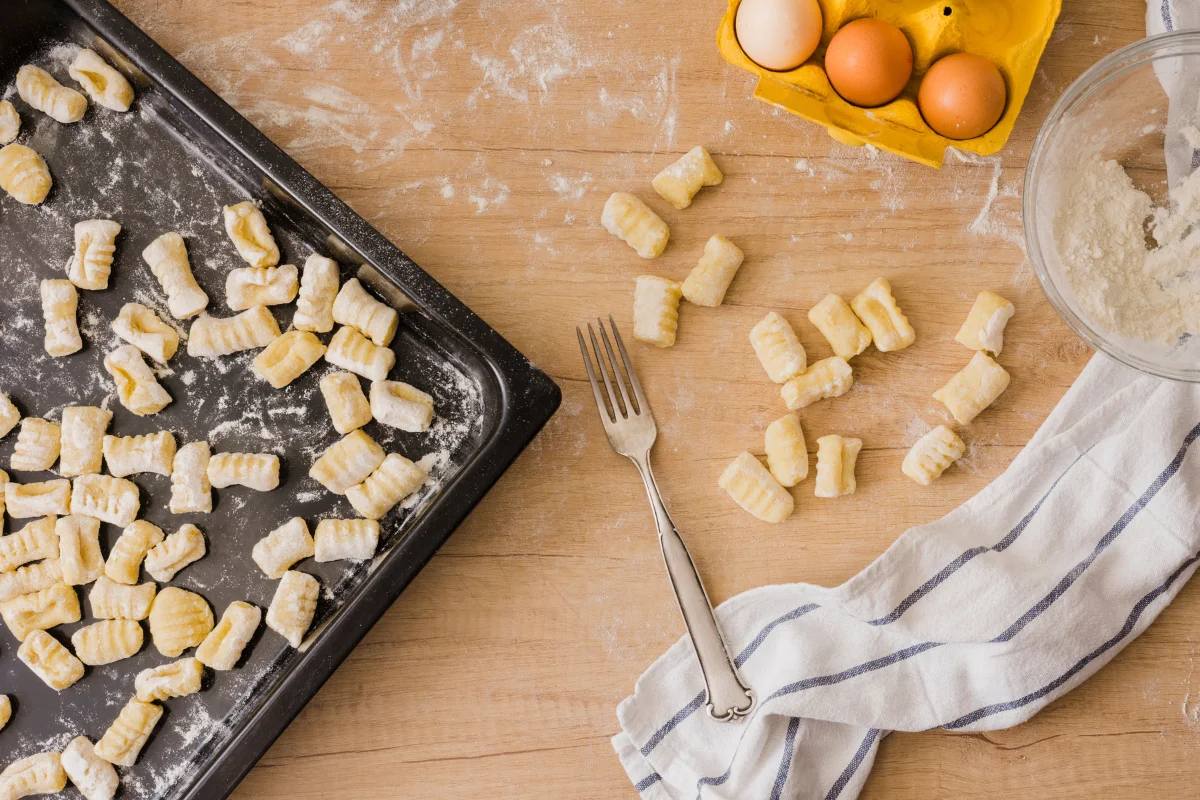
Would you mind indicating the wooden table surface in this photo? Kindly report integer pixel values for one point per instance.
(483, 137)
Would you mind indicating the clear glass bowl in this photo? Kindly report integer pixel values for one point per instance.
(1116, 110)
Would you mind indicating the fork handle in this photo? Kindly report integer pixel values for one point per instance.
(728, 698)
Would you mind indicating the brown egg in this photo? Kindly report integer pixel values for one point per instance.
(869, 62)
(962, 96)
(778, 34)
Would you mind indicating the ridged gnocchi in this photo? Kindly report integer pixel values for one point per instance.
(48, 608)
(877, 309)
(348, 406)
(350, 350)
(400, 405)
(124, 562)
(137, 387)
(352, 539)
(112, 600)
(318, 291)
(108, 499)
(354, 307)
(60, 304)
(632, 221)
(37, 774)
(294, 605)
(212, 337)
(836, 459)
(24, 500)
(107, 641)
(984, 327)
(391, 482)
(79, 555)
(288, 357)
(778, 348)
(24, 174)
(30, 578)
(168, 557)
(95, 243)
(103, 84)
(38, 444)
(143, 329)
(754, 488)
(708, 281)
(168, 260)
(829, 377)
(94, 777)
(130, 455)
(288, 544)
(248, 287)
(258, 471)
(932, 454)
(222, 648)
(973, 389)
(35, 541)
(787, 454)
(81, 438)
(248, 230)
(191, 492)
(177, 679)
(50, 660)
(347, 462)
(179, 619)
(9, 415)
(656, 310)
(40, 90)
(679, 183)
(10, 122)
(122, 743)
(845, 333)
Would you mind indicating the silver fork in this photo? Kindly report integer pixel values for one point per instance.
(631, 432)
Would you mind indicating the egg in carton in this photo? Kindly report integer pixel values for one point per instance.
(1011, 34)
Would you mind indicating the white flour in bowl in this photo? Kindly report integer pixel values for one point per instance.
(1124, 285)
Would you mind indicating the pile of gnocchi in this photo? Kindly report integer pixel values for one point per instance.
(871, 317)
(42, 564)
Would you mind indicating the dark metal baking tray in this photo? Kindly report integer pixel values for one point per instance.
(170, 164)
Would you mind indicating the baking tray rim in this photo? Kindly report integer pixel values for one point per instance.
(527, 399)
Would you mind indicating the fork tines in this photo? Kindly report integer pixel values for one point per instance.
(618, 407)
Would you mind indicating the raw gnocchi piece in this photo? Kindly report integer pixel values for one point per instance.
(392, 481)
(50, 660)
(212, 337)
(402, 406)
(39, 89)
(108, 499)
(288, 544)
(984, 327)
(829, 377)
(123, 741)
(137, 387)
(932, 454)
(168, 260)
(112, 600)
(24, 174)
(36, 774)
(354, 307)
(318, 291)
(103, 83)
(973, 389)
(9, 415)
(125, 559)
(835, 320)
(877, 308)
(348, 406)
(248, 287)
(57, 605)
(352, 351)
(288, 357)
(191, 491)
(79, 555)
(353, 539)
(95, 243)
(107, 641)
(34, 542)
(177, 679)
(129, 455)
(222, 648)
(778, 349)
(179, 619)
(24, 500)
(29, 579)
(678, 183)
(143, 329)
(656, 310)
(38, 444)
(787, 454)
(5, 710)
(60, 304)
(836, 457)
(708, 281)
(81, 435)
(175, 552)
(10, 122)
(258, 471)
(95, 778)
(3, 489)
(247, 229)
(754, 488)
(632, 221)
(293, 606)
(347, 462)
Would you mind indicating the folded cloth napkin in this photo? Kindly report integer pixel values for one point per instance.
(974, 622)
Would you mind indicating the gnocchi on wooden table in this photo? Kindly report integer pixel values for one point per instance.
(845, 333)
(656, 310)
(755, 489)
(932, 454)
(630, 220)
(829, 377)
(679, 183)
(836, 459)
(778, 348)
(708, 281)
(973, 389)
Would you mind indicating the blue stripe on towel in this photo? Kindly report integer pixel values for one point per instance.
(646, 782)
(785, 763)
(1168, 23)
(856, 762)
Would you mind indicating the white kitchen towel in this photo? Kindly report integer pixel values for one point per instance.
(974, 622)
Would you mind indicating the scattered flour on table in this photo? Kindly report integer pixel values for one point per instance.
(1136, 291)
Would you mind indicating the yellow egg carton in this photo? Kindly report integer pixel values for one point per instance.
(1009, 33)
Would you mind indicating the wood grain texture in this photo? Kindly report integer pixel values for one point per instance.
(483, 138)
